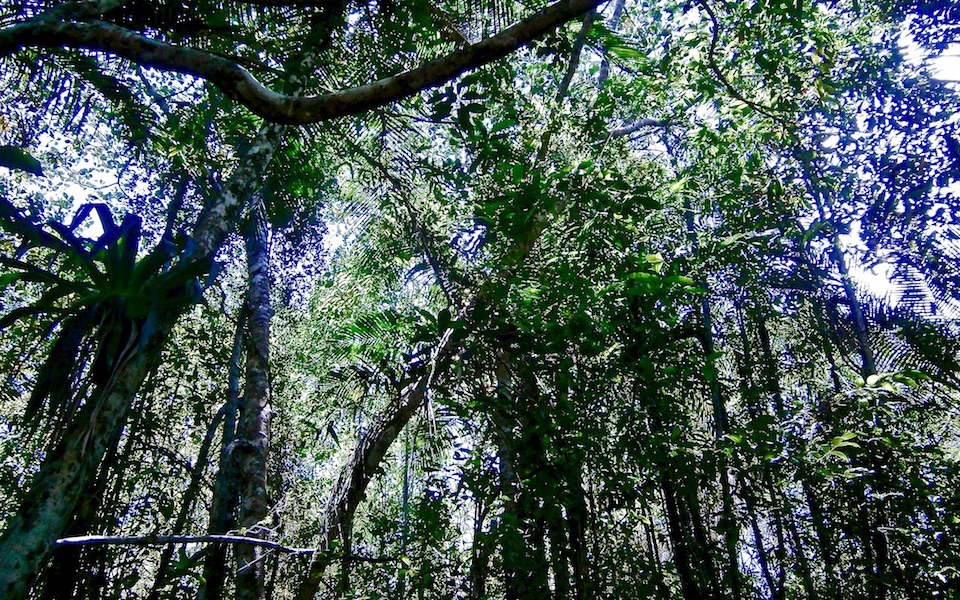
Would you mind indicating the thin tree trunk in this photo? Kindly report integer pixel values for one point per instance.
(800, 558)
(770, 371)
(577, 523)
(869, 366)
(512, 544)
(526, 509)
(772, 384)
(875, 548)
(677, 532)
(780, 551)
(479, 552)
(558, 555)
(762, 560)
(693, 562)
(252, 445)
(702, 547)
(404, 514)
(825, 539)
(654, 546)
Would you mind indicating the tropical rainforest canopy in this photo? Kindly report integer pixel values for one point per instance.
(479, 299)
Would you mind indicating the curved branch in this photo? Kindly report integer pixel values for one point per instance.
(238, 84)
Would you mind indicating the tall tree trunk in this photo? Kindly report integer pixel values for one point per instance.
(703, 546)
(252, 445)
(360, 468)
(677, 532)
(692, 561)
(480, 549)
(762, 560)
(404, 514)
(824, 539)
(559, 563)
(67, 573)
(577, 516)
(873, 540)
(800, 558)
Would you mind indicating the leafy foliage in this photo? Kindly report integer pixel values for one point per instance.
(592, 321)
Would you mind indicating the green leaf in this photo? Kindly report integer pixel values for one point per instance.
(17, 159)
(625, 52)
(506, 124)
(443, 320)
(843, 441)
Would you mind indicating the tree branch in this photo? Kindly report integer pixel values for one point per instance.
(237, 83)
(162, 540)
(638, 125)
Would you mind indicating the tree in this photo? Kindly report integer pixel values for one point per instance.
(607, 292)
(30, 537)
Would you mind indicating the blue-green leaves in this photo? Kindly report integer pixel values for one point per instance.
(105, 271)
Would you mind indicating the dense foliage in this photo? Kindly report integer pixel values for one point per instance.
(647, 299)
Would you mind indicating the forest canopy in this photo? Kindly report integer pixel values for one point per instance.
(479, 300)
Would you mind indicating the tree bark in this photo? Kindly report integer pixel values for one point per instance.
(677, 533)
(358, 471)
(66, 577)
(252, 445)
